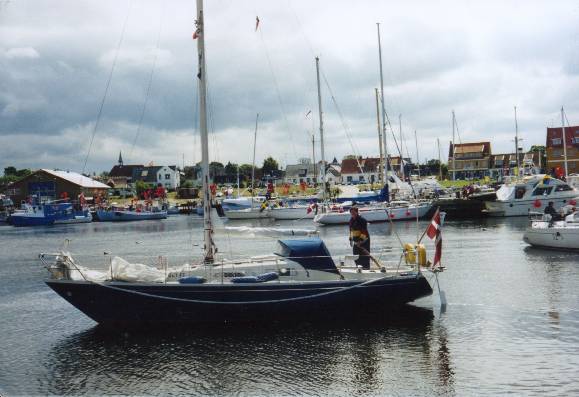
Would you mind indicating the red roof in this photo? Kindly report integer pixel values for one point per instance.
(369, 165)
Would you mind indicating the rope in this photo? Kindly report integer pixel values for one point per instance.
(149, 83)
(364, 284)
(102, 104)
(277, 91)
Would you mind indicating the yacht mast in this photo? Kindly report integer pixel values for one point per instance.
(381, 176)
(417, 157)
(209, 246)
(401, 147)
(439, 161)
(384, 140)
(564, 141)
(323, 178)
(453, 148)
(253, 161)
(517, 143)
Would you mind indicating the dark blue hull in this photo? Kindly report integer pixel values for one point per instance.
(117, 303)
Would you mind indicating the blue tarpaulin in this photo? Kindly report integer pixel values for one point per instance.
(311, 253)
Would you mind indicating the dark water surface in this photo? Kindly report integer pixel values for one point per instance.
(511, 325)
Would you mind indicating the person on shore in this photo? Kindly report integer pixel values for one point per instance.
(360, 238)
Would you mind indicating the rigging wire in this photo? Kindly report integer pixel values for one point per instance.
(146, 100)
(276, 85)
(100, 111)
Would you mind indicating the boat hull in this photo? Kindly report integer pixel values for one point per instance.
(117, 303)
(249, 213)
(291, 213)
(374, 215)
(522, 207)
(125, 216)
(564, 238)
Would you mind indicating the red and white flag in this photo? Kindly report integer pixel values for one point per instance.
(434, 233)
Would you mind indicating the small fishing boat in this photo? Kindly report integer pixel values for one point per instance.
(48, 213)
(125, 215)
(555, 235)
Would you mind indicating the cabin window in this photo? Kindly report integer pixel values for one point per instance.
(563, 188)
(520, 192)
(542, 191)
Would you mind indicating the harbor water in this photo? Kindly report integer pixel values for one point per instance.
(511, 324)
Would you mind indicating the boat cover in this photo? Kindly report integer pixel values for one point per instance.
(311, 253)
(262, 278)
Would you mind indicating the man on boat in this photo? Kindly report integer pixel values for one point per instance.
(360, 238)
(550, 210)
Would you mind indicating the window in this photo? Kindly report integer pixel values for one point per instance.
(542, 191)
(167, 176)
(349, 179)
(556, 141)
(563, 188)
(361, 178)
(520, 192)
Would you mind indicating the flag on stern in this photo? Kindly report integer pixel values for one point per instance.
(434, 233)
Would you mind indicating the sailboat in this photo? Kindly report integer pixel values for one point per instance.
(259, 212)
(300, 282)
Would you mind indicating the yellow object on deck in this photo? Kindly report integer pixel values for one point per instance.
(412, 251)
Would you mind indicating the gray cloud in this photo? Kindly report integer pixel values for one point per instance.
(480, 59)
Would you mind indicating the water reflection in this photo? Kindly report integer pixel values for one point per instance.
(352, 356)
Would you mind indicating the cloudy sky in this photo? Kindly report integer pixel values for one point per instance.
(478, 58)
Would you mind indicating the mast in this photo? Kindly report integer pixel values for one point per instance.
(453, 147)
(564, 141)
(253, 161)
(321, 130)
(209, 246)
(439, 161)
(381, 170)
(384, 140)
(401, 147)
(517, 143)
(417, 157)
(314, 155)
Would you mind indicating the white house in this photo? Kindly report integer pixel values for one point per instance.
(168, 175)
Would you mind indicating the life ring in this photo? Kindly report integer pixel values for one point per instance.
(537, 203)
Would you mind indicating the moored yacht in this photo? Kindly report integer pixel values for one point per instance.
(555, 235)
(533, 193)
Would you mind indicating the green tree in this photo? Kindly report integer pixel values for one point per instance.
(140, 187)
(8, 171)
(269, 165)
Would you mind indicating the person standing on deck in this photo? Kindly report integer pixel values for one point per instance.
(360, 238)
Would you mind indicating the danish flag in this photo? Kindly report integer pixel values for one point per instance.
(434, 233)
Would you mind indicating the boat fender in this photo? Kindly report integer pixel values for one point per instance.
(192, 280)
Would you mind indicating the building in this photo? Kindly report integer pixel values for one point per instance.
(168, 176)
(506, 164)
(360, 170)
(469, 160)
(298, 173)
(555, 149)
(55, 184)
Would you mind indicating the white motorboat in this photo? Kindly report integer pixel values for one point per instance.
(557, 235)
(400, 211)
(533, 193)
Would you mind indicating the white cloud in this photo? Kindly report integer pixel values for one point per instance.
(21, 53)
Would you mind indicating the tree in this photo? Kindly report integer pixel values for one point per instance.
(269, 166)
(231, 172)
(8, 171)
